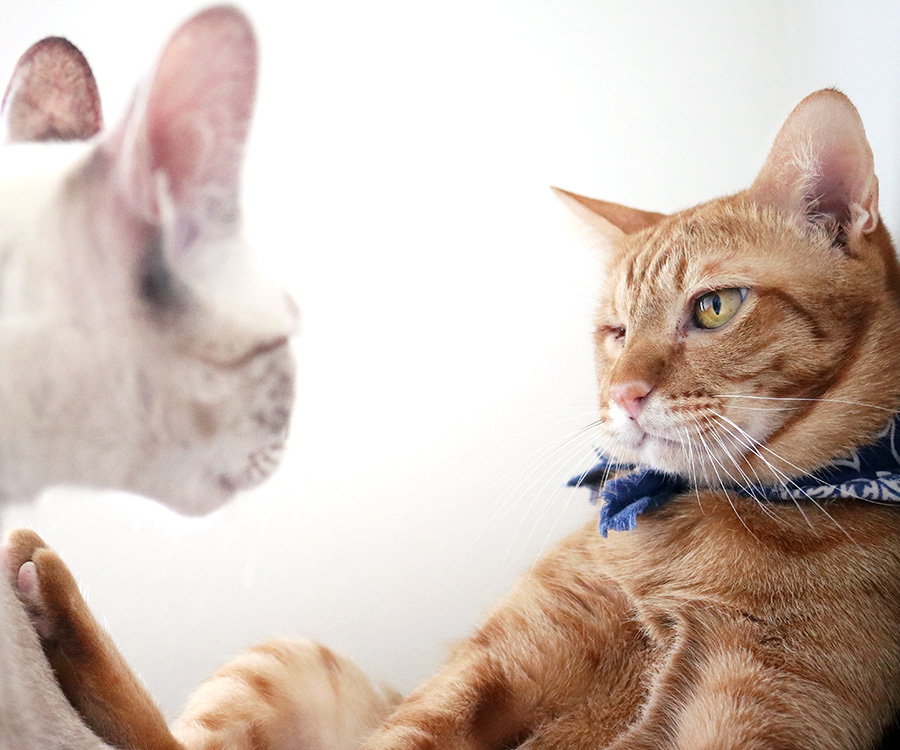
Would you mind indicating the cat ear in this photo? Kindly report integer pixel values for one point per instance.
(175, 163)
(611, 220)
(821, 166)
(52, 96)
(181, 147)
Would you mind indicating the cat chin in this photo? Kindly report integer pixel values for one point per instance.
(663, 455)
(674, 458)
(203, 503)
(203, 496)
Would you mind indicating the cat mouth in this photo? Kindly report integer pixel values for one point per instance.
(643, 438)
(241, 360)
(661, 451)
(666, 446)
(658, 441)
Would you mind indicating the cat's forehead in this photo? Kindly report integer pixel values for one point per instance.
(706, 247)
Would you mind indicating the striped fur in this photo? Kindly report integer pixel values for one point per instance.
(283, 694)
(719, 623)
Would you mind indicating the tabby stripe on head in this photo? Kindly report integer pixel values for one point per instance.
(681, 268)
(821, 384)
(812, 322)
(663, 256)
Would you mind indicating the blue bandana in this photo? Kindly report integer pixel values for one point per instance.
(870, 473)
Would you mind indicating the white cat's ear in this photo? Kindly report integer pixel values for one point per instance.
(821, 167)
(176, 165)
(181, 147)
(52, 96)
(611, 221)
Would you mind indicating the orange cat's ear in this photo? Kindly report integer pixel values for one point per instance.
(611, 220)
(821, 165)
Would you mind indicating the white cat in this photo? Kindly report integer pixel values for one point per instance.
(138, 348)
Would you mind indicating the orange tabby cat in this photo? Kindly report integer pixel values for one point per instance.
(742, 345)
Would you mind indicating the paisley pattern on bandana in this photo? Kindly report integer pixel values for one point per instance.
(871, 473)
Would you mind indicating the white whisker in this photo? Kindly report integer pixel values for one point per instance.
(555, 443)
(764, 408)
(813, 500)
(752, 489)
(692, 467)
(721, 483)
(820, 400)
(782, 478)
(585, 436)
(587, 443)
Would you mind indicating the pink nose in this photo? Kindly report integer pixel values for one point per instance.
(630, 396)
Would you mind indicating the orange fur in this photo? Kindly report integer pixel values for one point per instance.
(283, 694)
(693, 631)
(87, 665)
(719, 623)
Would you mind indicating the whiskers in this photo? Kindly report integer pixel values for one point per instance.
(528, 480)
(786, 473)
(709, 449)
(782, 472)
(716, 463)
(538, 482)
(789, 402)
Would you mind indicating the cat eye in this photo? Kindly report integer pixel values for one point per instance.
(616, 333)
(715, 309)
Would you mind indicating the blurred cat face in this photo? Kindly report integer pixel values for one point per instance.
(140, 348)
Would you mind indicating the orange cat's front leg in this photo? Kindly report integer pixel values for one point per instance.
(729, 683)
(555, 641)
(92, 673)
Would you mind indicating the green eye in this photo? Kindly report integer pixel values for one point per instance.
(715, 309)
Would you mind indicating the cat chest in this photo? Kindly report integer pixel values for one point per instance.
(755, 565)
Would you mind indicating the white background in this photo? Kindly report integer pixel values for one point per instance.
(398, 181)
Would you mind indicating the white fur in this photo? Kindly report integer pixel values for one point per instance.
(99, 388)
(183, 395)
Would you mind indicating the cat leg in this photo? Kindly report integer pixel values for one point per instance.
(283, 694)
(34, 713)
(557, 643)
(726, 686)
(92, 673)
(743, 702)
(740, 704)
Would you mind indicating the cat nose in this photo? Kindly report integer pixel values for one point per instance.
(630, 396)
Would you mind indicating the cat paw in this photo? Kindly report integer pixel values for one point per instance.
(17, 549)
(41, 579)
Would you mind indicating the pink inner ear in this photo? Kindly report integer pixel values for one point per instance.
(199, 107)
(837, 185)
(627, 219)
(821, 163)
(52, 95)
